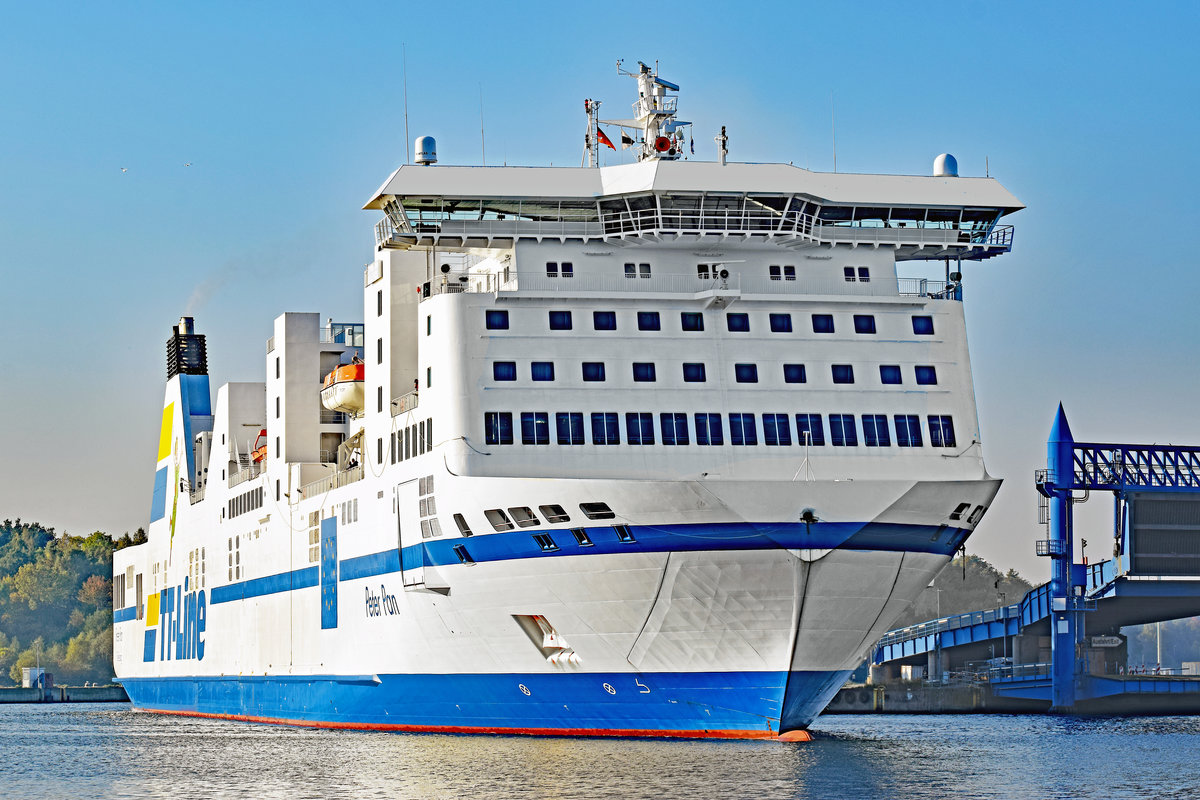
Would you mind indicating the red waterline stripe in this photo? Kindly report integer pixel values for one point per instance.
(790, 736)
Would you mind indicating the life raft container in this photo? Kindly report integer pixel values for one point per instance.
(343, 390)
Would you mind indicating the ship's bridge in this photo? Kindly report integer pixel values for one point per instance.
(919, 217)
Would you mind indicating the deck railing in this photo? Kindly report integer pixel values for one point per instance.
(334, 481)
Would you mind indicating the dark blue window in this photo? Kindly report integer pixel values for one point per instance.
(639, 427)
(542, 370)
(822, 323)
(781, 323)
(745, 373)
(738, 323)
(498, 427)
(941, 431)
(889, 373)
(560, 320)
(864, 323)
(810, 430)
(649, 321)
(794, 373)
(875, 430)
(691, 320)
(923, 326)
(497, 320)
(570, 427)
(674, 428)
(843, 373)
(504, 370)
(535, 427)
(709, 430)
(604, 320)
(605, 429)
(742, 429)
(908, 430)
(643, 372)
(777, 430)
(842, 430)
(693, 373)
(593, 370)
(927, 376)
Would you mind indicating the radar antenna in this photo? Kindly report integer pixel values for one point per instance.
(653, 130)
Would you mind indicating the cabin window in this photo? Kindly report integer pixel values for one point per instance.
(822, 323)
(742, 429)
(535, 427)
(379, 303)
(777, 429)
(708, 429)
(864, 323)
(908, 430)
(864, 274)
(504, 370)
(499, 519)
(843, 373)
(567, 270)
(794, 373)
(497, 427)
(428, 377)
(379, 351)
(941, 431)
(604, 320)
(569, 426)
(691, 321)
(639, 427)
(674, 428)
(463, 527)
(497, 320)
(706, 271)
(554, 513)
(842, 430)
(649, 321)
(738, 322)
(693, 373)
(926, 376)
(875, 430)
(551, 269)
(593, 371)
(379, 398)
(596, 510)
(604, 428)
(782, 272)
(745, 373)
(781, 323)
(922, 326)
(890, 374)
(560, 320)
(524, 517)
(643, 372)
(542, 370)
(810, 430)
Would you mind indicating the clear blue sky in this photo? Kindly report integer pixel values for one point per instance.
(291, 115)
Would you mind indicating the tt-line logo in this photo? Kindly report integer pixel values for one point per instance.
(181, 616)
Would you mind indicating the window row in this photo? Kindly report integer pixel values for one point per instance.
(693, 321)
(246, 501)
(647, 372)
(709, 429)
(409, 442)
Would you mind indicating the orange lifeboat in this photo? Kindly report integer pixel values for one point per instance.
(259, 453)
(343, 390)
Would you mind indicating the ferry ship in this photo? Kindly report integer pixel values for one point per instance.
(651, 449)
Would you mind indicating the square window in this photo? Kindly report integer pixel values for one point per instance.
(674, 428)
(499, 519)
(542, 370)
(777, 429)
(569, 425)
(596, 510)
(926, 376)
(560, 320)
(746, 373)
(875, 430)
(704, 272)
(849, 273)
(864, 274)
(941, 431)
(504, 370)
(693, 373)
(781, 323)
(630, 270)
(742, 429)
(708, 429)
(691, 321)
(551, 269)
(738, 323)
(775, 272)
(567, 269)
(604, 428)
(497, 320)
(524, 517)
(864, 323)
(593, 371)
(497, 426)
(810, 430)
(842, 430)
(535, 427)
(843, 373)
(604, 320)
(794, 373)
(643, 270)
(643, 372)
(922, 326)
(908, 430)
(649, 321)
(554, 512)
(822, 323)
(889, 374)
(639, 427)
(789, 272)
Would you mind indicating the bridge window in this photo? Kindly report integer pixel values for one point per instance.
(864, 323)
(674, 428)
(639, 427)
(908, 430)
(781, 323)
(738, 322)
(889, 374)
(497, 426)
(777, 430)
(708, 429)
(926, 376)
(875, 430)
(504, 371)
(842, 430)
(742, 429)
(922, 326)
(810, 430)
(605, 429)
(822, 323)
(496, 320)
(941, 431)
(560, 320)
(569, 425)
(604, 320)
(535, 427)
(593, 371)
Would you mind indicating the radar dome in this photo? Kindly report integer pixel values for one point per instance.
(426, 150)
(945, 166)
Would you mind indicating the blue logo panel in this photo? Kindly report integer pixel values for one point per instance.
(329, 573)
(158, 503)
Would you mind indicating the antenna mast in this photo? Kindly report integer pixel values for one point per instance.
(407, 140)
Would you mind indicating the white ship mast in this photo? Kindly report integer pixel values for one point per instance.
(655, 132)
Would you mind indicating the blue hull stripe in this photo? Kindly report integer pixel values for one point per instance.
(648, 539)
(570, 702)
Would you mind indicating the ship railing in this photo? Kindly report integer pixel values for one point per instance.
(338, 479)
(404, 403)
(329, 417)
(346, 333)
(243, 475)
(270, 345)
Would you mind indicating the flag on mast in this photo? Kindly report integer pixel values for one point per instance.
(602, 139)
(626, 141)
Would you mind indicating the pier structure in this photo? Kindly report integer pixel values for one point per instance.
(1060, 648)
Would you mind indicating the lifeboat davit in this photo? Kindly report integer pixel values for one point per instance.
(343, 390)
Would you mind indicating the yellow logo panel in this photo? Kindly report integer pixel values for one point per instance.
(164, 436)
(152, 610)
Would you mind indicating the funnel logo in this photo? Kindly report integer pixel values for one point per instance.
(175, 624)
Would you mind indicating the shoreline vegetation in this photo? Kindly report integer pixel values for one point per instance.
(56, 602)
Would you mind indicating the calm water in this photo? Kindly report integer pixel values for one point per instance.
(84, 751)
